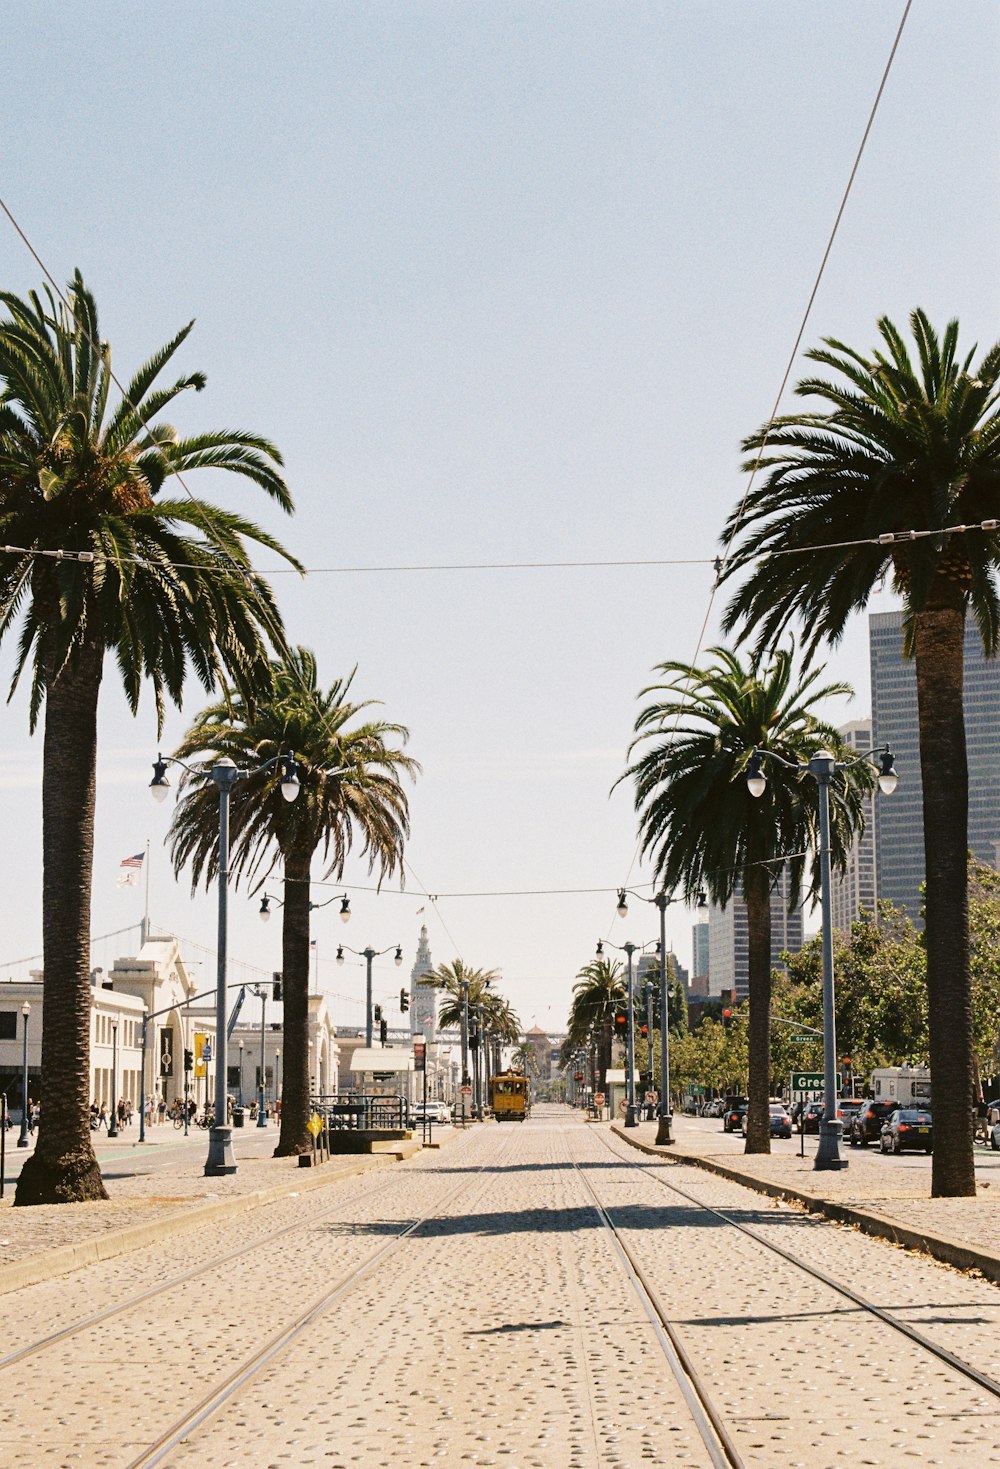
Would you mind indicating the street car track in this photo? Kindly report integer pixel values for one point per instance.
(925, 1343)
(706, 1418)
(206, 1407)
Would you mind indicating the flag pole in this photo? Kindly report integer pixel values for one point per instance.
(144, 931)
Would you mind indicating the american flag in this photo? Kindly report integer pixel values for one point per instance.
(129, 869)
(312, 943)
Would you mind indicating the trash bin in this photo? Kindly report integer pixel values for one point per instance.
(239, 1113)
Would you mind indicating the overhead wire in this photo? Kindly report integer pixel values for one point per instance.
(741, 509)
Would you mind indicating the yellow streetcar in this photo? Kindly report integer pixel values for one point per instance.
(510, 1097)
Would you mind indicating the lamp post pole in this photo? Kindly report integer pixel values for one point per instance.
(142, 1082)
(630, 1117)
(220, 1138)
(664, 1123)
(828, 1155)
(262, 1103)
(22, 1141)
(241, 1072)
(465, 1042)
(823, 767)
(277, 1081)
(113, 1123)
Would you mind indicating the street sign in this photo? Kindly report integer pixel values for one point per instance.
(811, 1081)
(599, 1099)
(315, 1124)
(466, 1091)
(803, 1040)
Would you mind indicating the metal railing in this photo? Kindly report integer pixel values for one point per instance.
(362, 1112)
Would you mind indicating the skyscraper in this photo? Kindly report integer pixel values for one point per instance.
(855, 890)
(423, 999)
(728, 951)
(899, 836)
(699, 958)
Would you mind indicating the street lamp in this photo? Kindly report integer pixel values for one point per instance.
(665, 1121)
(368, 955)
(113, 1123)
(22, 1141)
(224, 775)
(241, 1071)
(277, 1080)
(823, 767)
(627, 949)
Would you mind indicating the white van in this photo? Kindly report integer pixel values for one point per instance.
(910, 1086)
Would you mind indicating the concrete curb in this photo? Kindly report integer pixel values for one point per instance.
(36, 1269)
(948, 1251)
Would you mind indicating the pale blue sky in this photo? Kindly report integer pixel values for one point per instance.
(505, 282)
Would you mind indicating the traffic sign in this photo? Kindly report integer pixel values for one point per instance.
(802, 1040)
(315, 1124)
(810, 1081)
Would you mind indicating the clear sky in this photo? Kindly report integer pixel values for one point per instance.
(506, 282)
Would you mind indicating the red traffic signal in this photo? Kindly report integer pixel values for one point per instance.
(645, 1030)
(727, 1016)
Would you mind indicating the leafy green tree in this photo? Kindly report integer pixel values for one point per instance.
(351, 770)
(98, 560)
(702, 827)
(599, 992)
(896, 448)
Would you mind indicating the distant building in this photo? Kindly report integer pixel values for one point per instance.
(727, 938)
(543, 1051)
(899, 835)
(855, 890)
(423, 999)
(699, 958)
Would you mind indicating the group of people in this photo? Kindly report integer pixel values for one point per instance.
(99, 1114)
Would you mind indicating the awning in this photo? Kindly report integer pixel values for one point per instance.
(384, 1058)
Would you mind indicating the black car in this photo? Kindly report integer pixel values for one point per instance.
(779, 1122)
(866, 1125)
(907, 1128)
(732, 1117)
(812, 1116)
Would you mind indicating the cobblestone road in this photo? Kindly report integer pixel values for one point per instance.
(504, 1331)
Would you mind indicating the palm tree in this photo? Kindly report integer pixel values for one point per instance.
(465, 988)
(705, 830)
(598, 994)
(350, 789)
(899, 449)
(96, 560)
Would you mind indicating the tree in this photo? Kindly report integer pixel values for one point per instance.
(898, 449)
(599, 992)
(350, 778)
(462, 985)
(703, 828)
(96, 560)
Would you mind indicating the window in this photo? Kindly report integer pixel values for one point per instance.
(8, 1025)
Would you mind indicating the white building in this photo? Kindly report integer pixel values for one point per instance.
(423, 999)
(156, 983)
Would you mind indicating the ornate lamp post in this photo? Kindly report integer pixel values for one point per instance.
(22, 1141)
(224, 774)
(368, 955)
(113, 1121)
(823, 767)
(665, 1121)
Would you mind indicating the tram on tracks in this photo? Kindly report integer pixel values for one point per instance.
(510, 1096)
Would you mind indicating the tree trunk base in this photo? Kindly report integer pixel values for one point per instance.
(757, 1145)
(72, 1178)
(292, 1149)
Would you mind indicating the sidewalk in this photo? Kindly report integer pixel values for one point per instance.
(156, 1189)
(883, 1196)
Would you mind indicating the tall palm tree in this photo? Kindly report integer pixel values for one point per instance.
(350, 775)
(704, 829)
(598, 993)
(897, 448)
(97, 560)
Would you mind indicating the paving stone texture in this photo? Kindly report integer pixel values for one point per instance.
(504, 1330)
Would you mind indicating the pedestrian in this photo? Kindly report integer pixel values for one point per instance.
(128, 1111)
(120, 1112)
(162, 1109)
(102, 1117)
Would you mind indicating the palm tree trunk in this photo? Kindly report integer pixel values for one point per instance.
(63, 1169)
(939, 646)
(758, 901)
(294, 1135)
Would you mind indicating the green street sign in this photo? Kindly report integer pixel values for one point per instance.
(810, 1081)
(803, 1040)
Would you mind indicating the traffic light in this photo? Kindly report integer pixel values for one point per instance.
(404, 1001)
(727, 1016)
(847, 1070)
(277, 984)
(383, 1031)
(188, 1060)
(377, 1012)
(621, 1020)
(645, 1028)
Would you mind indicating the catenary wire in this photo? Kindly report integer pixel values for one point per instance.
(720, 565)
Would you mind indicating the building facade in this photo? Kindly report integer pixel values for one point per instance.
(728, 957)
(699, 959)
(855, 891)
(899, 835)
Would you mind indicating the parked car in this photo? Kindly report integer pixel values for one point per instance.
(866, 1125)
(732, 1117)
(849, 1107)
(714, 1108)
(907, 1128)
(780, 1122)
(433, 1111)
